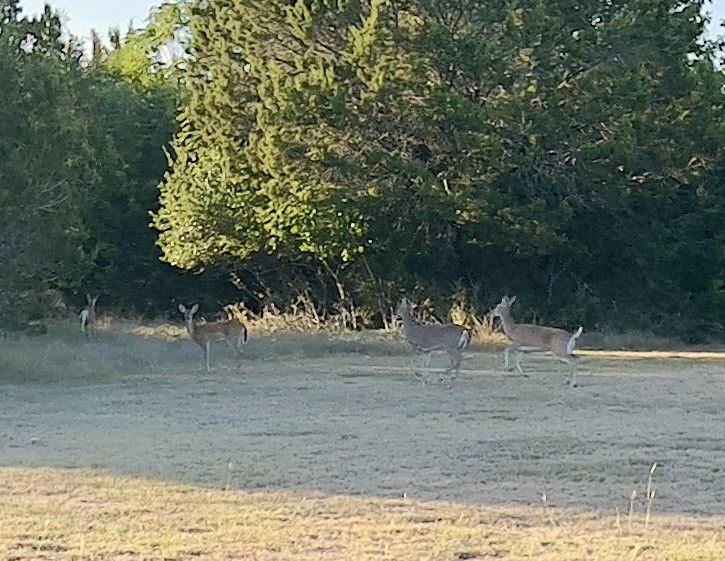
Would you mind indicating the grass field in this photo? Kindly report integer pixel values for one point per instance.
(328, 447)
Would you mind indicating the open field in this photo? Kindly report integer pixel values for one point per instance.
(319, 447)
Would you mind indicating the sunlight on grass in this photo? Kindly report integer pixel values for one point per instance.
(341, 412)
(126, 347)
(621, 345)
(689, 355)
(63, 515)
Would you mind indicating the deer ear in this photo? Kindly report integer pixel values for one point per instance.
(88, 298)
(195, 308)
(512, 300)
(182, 308)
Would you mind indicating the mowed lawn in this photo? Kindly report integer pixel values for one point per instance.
(329, 447)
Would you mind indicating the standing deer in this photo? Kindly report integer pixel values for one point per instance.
(527, 337)
(88, 315)
(426, 338)
(231, 331)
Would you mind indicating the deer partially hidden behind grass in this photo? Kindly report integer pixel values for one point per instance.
(426, 338)
(88, 315)
(527, 337)
(233, 332)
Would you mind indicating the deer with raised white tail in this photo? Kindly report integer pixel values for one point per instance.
(528, 337)
(231, 331)
(88, 315)
(426, 338)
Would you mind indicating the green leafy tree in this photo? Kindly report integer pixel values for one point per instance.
(154, 56)
(566, 151)
(137, 88)
(47, 163)
(239, 187)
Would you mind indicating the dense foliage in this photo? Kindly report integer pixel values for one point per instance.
(343, 152)
(570, 153)
(48, 145)
(81, 155)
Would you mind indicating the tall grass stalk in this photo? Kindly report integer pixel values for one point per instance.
(650, 493)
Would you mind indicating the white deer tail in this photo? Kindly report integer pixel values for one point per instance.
(571, 343)
(84, 319)
(464, 339)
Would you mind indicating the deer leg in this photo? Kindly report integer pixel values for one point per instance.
(455, 364)
(506, 358)
(451, 365)
(572, 380)
(240, 352)
(207, 348)
(417, 365)
(517, 362)
(409, 363)
(569, 359)
(235, 346)
(236, 351)
(411, 359)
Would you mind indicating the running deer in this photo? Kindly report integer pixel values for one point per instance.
(231, 331)
(88, 315)
(426, 338)
(527, 337)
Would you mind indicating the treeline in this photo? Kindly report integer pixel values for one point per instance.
(340, 153)
(81, 156)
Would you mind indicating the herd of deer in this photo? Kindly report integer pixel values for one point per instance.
(453, 339)
(423, 338)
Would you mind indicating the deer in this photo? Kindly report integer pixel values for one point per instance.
(88, 315)
(528, 337)
(426, 338)
(231, 331)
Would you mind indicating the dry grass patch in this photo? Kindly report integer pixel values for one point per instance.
(72, 515)
(342, 414)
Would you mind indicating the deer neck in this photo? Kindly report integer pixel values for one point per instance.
(190, 327)
(407, 320)
(508, 323)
